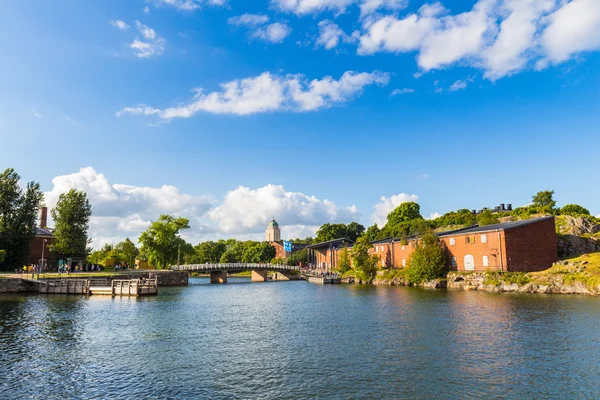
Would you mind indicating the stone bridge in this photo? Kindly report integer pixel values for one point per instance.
(218, 272)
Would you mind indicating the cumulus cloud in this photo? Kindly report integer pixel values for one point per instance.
(370, 6)
(259, 29)
(190, 5)
(501, 37)
(244, 208)
(36, 113)
(330, 35)
(387, 204)
(457, 85)
(434, 215)
(124, 210)
(573, 28)
(121, 211)
(268, 93)
(120, 25)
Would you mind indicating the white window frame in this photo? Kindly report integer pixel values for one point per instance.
(454, 262)
(484, 238)
(403, 262)
(486, 261)
(402, 247)
(452, 241)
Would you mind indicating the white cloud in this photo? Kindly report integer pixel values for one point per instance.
(245, 209)
(36, 113)
(387, 204)
(124, 210)
(274, 33)
(190, 5)
(330, 35)
(248, 20)
(457, 85)
(572, 29)
(145, 31)
(146, 10)
(434, 215)
(501, 37)
(150, 45)
(267, 93)
(121, 211)
(370, 6)
(119, 24)
(396, 92)
(301, 7)
(304, 7)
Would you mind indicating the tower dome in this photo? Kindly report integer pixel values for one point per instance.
(273, 233)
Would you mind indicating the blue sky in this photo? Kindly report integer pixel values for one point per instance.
(340, 102)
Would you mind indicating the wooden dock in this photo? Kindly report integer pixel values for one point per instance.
(323, 280)
(108, 287)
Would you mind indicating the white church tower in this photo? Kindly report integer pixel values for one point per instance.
(273, 231)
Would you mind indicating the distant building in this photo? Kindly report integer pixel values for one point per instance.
(518, 246)
(273, 233)
(43, 238)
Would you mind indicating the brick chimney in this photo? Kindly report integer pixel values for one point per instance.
(44, 217)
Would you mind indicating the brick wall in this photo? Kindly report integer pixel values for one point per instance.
(532, 247)
(477, 246)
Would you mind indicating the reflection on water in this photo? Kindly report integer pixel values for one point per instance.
(296, 340)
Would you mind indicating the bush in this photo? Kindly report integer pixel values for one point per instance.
(520, 278)
(574, 210)
(344, 264)
(428, 261)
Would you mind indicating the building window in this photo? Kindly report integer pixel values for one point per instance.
(403, 262)
(402, 247)
(452, 241)
(486, 261)
(470, 239)
(454, 262)
(484, 238)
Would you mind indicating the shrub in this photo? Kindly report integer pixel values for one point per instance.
(574, 210)
(520, 278)
(428, 261)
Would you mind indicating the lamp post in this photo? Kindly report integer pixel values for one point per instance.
(40, 267)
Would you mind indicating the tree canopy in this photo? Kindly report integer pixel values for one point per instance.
(428, 261)
(574, 210)
(71, 222)
(161, 241)
(329, 231)
(363, 264)
(19, 208)
(487, 217)
(544, 199)
(403, 221)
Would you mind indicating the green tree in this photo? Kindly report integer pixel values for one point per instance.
(428, 261)
(405, 212)
(161, 241)
(307, 240)
(372, 232)
(71, 222)
(487, 217)
(354, 230)
(344, 264)
(128, 251)
(363, 264)
(574, 210)
(19, 208)
(419, 226)
(330, 232)
(2, 255)
(298, 257)
(258, 252)
(210, 252)
(544, 200)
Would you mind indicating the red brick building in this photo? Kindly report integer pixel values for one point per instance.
(280, 251)
(43, 239)
(528, 245)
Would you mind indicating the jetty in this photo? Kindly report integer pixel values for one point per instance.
(107, 287)
(323, 279)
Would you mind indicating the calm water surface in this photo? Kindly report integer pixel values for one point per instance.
(295, 340)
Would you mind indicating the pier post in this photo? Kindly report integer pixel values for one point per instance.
(218, 277)
(259, 275)
(281, 276)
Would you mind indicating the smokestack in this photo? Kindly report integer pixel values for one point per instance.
(44, 217)
(509, 207)
(502, 207)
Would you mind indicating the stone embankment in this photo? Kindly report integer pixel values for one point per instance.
(15, 284)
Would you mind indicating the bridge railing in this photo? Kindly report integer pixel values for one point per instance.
(233, 266)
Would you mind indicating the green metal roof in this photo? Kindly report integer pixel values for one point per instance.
(273, 224)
